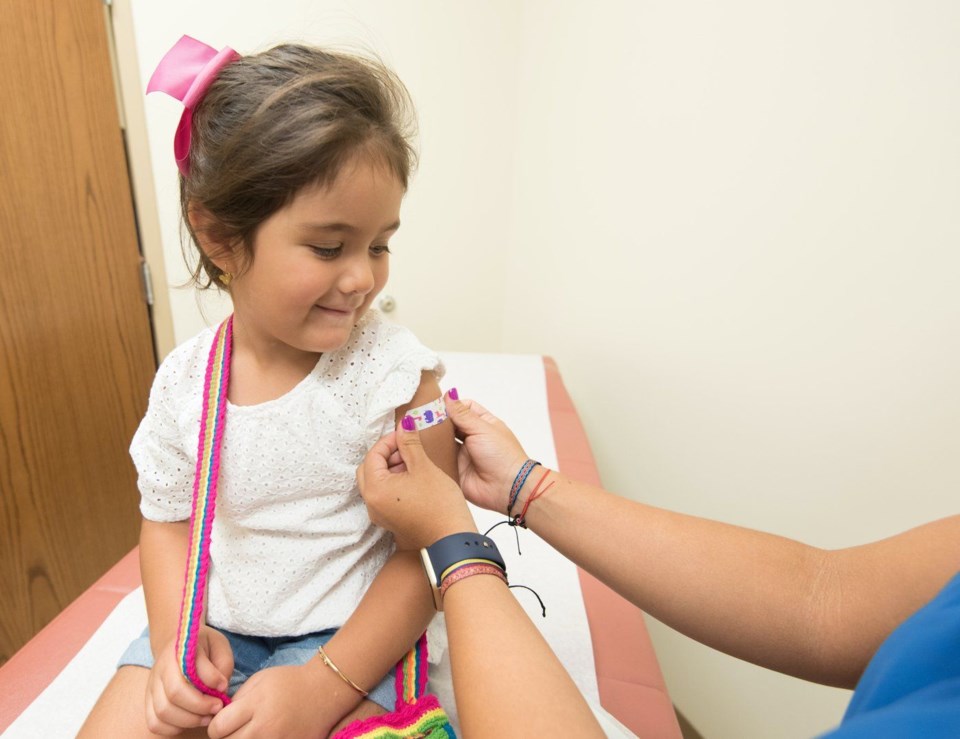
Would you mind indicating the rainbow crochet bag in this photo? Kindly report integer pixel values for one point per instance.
(417, 714)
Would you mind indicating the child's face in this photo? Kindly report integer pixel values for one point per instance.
(319, 262)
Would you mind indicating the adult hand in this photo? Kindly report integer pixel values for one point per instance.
(172, 703)
(490, 455)
(410, 495)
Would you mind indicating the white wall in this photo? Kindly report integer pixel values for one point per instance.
(738, 235)
(733, 224)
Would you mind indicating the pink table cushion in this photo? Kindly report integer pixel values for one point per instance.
(628, 674)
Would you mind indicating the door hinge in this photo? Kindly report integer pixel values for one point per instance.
(147, 277)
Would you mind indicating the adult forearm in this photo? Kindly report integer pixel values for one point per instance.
(762, 598)
(507, 680)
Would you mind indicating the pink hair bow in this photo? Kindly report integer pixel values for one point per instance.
(185, 73)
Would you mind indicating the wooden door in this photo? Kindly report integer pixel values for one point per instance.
(76, 352)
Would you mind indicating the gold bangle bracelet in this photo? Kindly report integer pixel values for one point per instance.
(329, 663)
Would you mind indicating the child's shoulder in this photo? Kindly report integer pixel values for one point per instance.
(377, 352)
(376, 338)
(382, 365)
(191, 352)
(184, 367)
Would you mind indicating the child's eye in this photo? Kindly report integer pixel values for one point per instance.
(326, 252)
(380, 250)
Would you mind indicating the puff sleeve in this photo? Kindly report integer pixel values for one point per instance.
(161, 447)
(401, 360)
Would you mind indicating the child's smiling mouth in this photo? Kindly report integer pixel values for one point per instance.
(336, 311)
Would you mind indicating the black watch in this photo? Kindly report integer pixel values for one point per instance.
(451, 550)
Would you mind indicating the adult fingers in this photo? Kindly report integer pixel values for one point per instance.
(380, 453)
(409, 445)
(480, 411)
(376, 464)
(395, 462)
(465, 415)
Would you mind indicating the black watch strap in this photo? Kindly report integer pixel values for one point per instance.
(448, 551)
(457, 547)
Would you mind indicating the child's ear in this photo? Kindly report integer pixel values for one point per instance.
(207, 232)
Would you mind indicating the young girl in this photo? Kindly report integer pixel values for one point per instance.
(294, 163)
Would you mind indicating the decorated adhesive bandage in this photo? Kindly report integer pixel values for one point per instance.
(212, 422)
(429, 414)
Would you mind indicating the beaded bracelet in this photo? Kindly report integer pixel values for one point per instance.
(461, 573)
(329, 663)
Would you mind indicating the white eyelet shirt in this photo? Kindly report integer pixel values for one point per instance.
(292, 548)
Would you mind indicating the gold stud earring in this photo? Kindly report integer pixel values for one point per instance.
(225, 278)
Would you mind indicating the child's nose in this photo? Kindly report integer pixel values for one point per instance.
(358, 277)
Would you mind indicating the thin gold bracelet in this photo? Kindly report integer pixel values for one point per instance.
(329, 663)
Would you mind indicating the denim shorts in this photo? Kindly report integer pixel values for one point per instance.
(254, 653)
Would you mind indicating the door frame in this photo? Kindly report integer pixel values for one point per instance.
(130, 94)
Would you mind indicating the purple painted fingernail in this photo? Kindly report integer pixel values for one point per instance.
(407, 424)
(454, 395)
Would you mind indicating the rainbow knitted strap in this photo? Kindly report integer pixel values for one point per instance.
(412, 673)
(417, 714)
(212, 422)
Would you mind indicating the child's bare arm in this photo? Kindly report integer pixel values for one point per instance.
(389, 619)
(163, 557)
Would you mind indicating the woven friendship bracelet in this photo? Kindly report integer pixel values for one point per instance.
(518, 481)
(469, 571)
(329, 663)
(463, 563)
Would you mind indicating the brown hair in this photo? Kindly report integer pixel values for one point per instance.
(276, 122)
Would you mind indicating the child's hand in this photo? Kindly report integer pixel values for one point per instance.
(489, 457)
(289, 702)
(173, 704)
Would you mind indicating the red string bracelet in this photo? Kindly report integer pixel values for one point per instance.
(537, 492)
